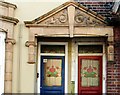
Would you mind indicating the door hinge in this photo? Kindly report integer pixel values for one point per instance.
(37, 75)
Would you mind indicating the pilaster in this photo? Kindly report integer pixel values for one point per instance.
(8, 22)
(8, 64)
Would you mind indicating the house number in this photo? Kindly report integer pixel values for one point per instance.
(44, 60)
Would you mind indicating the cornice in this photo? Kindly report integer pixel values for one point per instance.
(6, 4)
(9, 19)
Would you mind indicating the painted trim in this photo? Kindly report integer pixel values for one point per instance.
(104, 74)
(2, 61)
(49, 54)
(99, 87)
(95, 54)
(53, 88)
(103, 64)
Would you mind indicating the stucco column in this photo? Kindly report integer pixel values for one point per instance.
(9, 65)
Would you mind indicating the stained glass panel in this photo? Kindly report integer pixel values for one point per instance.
(90, 73)
(52, 72)
(53, 49)
(90, 49)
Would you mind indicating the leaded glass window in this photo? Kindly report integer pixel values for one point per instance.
(52, 72)
(90, 73)
(53, 49)
(90, 49)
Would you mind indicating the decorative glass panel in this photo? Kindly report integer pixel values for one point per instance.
(90, 49)
(53, 49)
(90, 73)
(52, 72)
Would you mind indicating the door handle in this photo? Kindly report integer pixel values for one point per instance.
(37, 75)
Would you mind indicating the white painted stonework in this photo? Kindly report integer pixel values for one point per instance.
(2, 61)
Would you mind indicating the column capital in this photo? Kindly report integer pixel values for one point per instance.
(28, 43)
(10, 40)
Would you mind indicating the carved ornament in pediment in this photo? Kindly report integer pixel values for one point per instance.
(85, 19)
(57, 19)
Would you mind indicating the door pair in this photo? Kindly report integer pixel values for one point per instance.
(53, 75)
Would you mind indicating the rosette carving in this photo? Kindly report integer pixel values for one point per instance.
(63, 18)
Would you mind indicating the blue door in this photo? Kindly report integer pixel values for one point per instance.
(52, 75)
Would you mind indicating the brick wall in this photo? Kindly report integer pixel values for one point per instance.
(102, 7)
(113, 69)
(117, 56)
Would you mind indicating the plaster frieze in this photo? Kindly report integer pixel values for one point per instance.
(57, 19)
(84, 19)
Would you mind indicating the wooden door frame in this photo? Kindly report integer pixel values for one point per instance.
(103, 63)
(66, 62)
(79, 69)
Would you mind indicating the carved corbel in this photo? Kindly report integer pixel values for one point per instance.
(31, 51)
(9, 40)
(110, 50)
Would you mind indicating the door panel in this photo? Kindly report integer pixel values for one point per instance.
(52, 74)
(89, 74)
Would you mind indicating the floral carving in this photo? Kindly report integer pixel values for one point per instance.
(79, 18)
(60, 18)
(83, 19)
(63, 18)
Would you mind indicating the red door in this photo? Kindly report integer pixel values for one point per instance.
(89, 75)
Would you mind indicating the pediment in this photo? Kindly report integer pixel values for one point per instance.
(60, 17)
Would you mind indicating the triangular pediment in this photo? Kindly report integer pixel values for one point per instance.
(60, 16)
